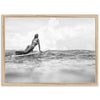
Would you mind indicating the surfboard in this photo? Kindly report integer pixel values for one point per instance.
(25, 55)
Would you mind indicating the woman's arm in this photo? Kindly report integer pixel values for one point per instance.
(39, 45)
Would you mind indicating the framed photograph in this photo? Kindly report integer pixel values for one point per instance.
(49, 50)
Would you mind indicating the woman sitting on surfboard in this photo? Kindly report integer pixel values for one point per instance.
(30, 48)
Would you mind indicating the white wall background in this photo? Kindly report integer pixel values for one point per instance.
(49, 92)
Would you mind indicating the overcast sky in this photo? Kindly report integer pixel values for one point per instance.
(54, 33)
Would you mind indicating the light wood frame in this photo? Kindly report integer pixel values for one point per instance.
(45, 16)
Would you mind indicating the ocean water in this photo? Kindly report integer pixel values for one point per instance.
(51, 66)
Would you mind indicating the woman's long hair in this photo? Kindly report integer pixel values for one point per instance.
(36, 36)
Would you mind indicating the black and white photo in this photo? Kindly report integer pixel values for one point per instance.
(50, 50)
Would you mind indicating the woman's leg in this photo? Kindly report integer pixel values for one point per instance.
(30, 49)
(22, 52)
(19, 52)
(27, 50)
(27, 47)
